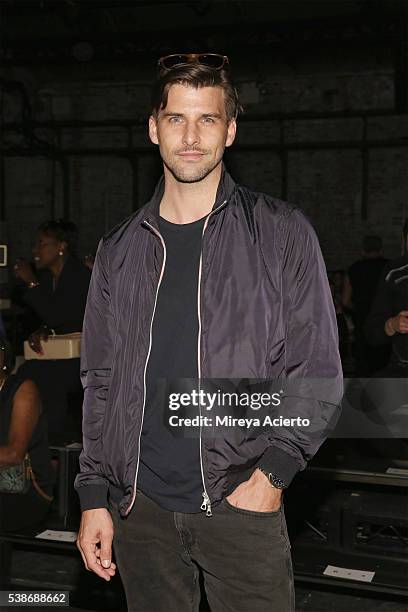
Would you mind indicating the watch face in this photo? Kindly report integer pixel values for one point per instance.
(277, 482)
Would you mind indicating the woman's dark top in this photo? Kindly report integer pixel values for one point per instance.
(38, 446)
(63, 309)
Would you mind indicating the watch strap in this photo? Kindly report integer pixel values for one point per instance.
(273, 479)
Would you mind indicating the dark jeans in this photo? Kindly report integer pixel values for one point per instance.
(244, 557)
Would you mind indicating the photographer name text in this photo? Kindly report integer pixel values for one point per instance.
(229, 421)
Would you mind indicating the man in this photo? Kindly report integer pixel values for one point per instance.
(387, 325)
(387, 322)
(207, 281)
(358, 294)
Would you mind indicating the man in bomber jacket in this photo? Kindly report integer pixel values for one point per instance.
(207, 281)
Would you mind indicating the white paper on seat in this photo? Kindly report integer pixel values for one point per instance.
(58, 536)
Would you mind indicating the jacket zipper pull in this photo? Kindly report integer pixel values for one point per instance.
(206, 505)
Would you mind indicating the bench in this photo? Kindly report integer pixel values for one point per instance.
(27, 539)
(90, 591)
(87, 590)
(64, 513)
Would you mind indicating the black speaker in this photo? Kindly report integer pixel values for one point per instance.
(66, 498)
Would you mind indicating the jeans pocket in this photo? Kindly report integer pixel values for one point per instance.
(252, 513)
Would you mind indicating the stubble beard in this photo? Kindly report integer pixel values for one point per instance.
(192, 174)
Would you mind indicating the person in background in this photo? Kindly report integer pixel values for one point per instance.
(387, 325)
(358, 294)
(57, 293)
(23, 429)
(387, 322)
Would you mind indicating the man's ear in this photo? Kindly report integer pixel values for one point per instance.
(231, 131)
(153, 130)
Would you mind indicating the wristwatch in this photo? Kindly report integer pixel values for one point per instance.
(273, 479)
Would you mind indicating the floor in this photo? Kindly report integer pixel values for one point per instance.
(54, 571)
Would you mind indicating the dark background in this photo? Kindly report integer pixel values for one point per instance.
(324, 85)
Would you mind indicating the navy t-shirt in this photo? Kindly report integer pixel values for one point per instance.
(169, 468)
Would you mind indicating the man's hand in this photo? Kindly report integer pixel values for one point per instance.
(397, 324)
(95, 542)
(256, 494)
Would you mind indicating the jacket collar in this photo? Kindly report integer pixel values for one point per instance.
(225, 188)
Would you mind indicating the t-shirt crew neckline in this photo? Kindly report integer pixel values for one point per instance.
(179, 227)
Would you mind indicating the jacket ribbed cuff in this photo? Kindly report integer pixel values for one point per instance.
(93, 496)
(283, 465)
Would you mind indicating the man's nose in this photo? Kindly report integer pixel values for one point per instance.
(191, 134)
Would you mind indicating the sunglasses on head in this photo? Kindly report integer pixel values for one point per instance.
(212, 60)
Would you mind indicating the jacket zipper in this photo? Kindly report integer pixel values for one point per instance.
(147, 360)
(206, 505)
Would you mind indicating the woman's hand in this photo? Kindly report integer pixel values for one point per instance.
(35, 339)
(23, 270)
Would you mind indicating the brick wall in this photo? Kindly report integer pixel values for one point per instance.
(327, 182)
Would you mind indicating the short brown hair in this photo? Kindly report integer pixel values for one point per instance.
(196, 75)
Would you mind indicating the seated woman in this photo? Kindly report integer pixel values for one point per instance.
(57, 293)
(22, 429)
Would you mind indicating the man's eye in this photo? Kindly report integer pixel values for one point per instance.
(175, 119)
(208, 120)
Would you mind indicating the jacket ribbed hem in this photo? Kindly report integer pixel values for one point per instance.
(280, 463)
(93, 496)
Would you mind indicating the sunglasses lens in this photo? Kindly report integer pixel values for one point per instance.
(171, 61)
(212, 60)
